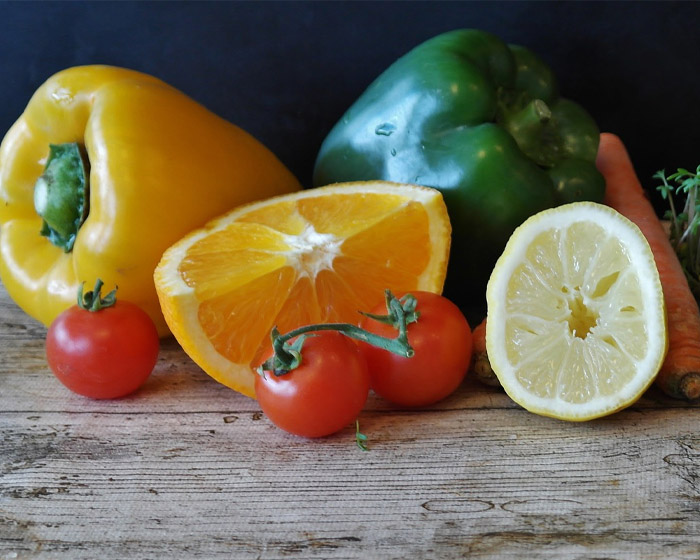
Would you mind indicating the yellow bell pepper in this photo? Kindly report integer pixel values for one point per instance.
(133, 166)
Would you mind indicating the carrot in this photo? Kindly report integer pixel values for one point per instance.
(680, 373)
(481, 366)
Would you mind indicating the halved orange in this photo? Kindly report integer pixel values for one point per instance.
(314, 256)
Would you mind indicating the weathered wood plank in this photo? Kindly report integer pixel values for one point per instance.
(80, 483)
(186, 468)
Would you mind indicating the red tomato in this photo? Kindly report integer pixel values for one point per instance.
(442, 341)
(321, 396)
(103, 354)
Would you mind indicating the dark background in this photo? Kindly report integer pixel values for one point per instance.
(286, 71)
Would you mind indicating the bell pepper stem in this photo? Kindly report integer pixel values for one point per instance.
(531, 129)
(61, 194)
(529, 120)
(288, 352)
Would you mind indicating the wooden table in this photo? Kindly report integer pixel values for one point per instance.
(187, 468)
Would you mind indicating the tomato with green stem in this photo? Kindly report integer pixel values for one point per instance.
(102, 348)
(316, 380)
(414, 351)
(321, 396)
(441, 340)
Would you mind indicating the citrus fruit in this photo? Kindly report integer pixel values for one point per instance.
(314, 256)
(576, 323)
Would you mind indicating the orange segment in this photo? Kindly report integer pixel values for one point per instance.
(230, 321)
(313, 256)
(346, 215)
(232, 257)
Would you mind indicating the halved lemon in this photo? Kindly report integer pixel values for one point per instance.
(314, 256)
(576, 323)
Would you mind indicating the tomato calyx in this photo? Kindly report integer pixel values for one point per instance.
(399, 316)
(93, 300)
(287, 347)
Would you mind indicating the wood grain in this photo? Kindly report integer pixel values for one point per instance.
(186, 468)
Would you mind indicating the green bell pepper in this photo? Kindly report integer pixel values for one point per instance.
(481, 121)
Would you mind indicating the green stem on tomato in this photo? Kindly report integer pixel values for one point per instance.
(287, 353)
(93, 300)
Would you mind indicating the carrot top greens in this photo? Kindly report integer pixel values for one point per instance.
(684, 234)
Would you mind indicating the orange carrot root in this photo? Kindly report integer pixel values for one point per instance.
(481, 366)
(680, 374)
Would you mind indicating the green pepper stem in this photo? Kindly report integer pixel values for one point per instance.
(529, 119)
(287, 356)
(529, 127)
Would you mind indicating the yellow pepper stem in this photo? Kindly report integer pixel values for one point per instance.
(61, 194)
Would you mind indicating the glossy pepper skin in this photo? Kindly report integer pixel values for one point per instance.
(483, 122)
(158, 165)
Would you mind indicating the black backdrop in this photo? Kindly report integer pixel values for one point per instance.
(286, 71)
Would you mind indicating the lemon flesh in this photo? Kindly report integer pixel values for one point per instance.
(576, 321)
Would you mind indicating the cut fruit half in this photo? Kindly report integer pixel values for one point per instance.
(314, 256)
(576, 323)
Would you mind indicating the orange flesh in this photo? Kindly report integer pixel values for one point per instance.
(246, 283)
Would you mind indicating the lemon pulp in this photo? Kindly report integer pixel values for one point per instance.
(576, 324)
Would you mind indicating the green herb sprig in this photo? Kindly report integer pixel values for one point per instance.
(684, 234)
(360, 438)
